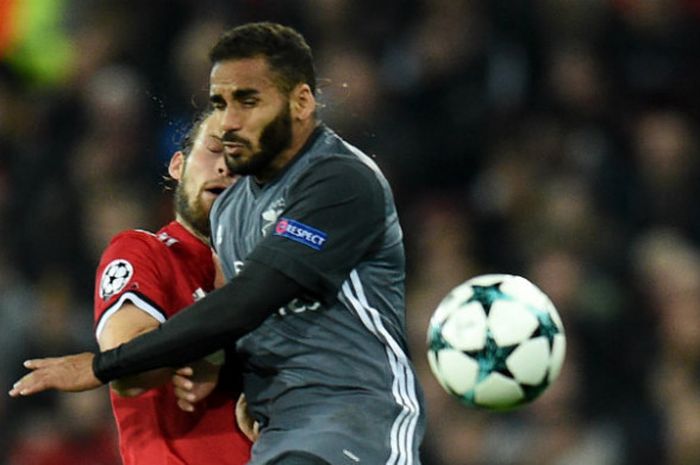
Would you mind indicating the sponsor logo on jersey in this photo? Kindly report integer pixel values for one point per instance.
(115, 277)
(301, 233)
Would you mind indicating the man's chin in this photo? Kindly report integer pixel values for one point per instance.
(242, 168)
(252, 165)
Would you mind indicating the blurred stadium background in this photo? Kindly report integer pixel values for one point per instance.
(557, 139)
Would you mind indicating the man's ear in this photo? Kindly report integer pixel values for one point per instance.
(303, 102)
(177, 165)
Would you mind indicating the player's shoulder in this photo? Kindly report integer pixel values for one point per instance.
(134, 236)
(335, 154)
(138, 242)
(343, 167)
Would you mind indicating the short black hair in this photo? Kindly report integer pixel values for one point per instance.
(285, 49)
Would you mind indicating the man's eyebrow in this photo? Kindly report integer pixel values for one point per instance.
(241, 94)
(216, 98)
(238, 94)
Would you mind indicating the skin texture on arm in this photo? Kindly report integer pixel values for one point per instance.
(123, 326)
(73, 373)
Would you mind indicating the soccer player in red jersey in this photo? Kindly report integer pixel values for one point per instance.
(142, 280)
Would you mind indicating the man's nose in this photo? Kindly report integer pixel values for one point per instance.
(231, 120)
(222, 168)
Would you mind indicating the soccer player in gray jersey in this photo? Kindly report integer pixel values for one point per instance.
(312, 246)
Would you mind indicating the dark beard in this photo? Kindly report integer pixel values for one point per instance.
(275, 137)
(195, 215)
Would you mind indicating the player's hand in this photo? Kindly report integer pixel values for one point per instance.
(246, 424)
(72, 373)
(192, 384)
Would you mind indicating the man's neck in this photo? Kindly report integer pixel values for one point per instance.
(191, 229)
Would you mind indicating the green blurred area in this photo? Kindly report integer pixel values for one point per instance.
(40, 50)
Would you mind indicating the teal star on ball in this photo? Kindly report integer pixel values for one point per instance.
(487, 295)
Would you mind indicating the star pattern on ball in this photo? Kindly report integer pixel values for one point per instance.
(492, 357)
(532, 392)
(435, 338)
(486, 295)
(547, 327)
(488, 339)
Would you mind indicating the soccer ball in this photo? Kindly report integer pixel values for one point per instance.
(496, 342)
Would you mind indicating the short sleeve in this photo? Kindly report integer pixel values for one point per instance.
(334, 216)
(129, 271)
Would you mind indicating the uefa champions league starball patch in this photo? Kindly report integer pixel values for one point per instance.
(115, 278)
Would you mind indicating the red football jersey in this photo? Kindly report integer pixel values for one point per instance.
(162, 274)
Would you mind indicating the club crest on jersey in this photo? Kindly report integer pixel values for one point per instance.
(115, 277)
(301, 233)
(270, 215)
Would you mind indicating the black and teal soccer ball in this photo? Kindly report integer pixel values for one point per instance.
(496, 342)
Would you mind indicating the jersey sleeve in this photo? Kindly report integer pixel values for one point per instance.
(335, 215)
(131, 270)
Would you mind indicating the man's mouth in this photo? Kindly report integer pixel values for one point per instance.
(215, 190)
(234, 148)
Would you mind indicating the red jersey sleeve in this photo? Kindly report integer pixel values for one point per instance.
(132, 269)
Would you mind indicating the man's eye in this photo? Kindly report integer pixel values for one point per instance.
(215, 146)
(250, 102)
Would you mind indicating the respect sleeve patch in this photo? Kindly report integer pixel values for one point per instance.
(301, 233)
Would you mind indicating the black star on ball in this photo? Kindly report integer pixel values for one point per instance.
(487, 295)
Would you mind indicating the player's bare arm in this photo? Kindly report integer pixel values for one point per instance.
(72, 373)
(124, 325)
(129, 322)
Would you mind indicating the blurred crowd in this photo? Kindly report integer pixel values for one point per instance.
(556, 139)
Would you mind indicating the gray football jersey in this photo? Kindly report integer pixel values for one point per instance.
(329, 373)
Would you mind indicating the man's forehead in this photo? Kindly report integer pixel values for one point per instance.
(207, 124)
(209, 128)
(231, 75)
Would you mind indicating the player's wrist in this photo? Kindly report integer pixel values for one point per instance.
(103, 365)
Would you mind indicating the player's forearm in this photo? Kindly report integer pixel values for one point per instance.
(208, 325)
